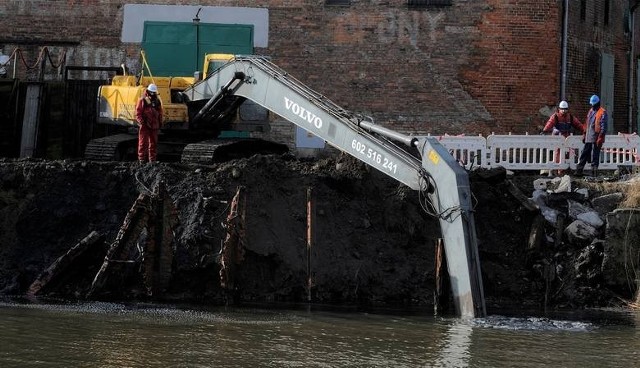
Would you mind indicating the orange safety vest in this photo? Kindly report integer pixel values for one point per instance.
(599, 114)
(596, 126)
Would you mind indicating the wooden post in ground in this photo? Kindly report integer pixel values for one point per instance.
(119, 254)
(31, 120)
(311, 218)
(232, 252)
(158, 254)
(61, 264)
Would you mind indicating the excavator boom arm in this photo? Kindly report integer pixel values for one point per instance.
(435, 172)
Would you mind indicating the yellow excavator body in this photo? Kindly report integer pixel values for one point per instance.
(117, 101)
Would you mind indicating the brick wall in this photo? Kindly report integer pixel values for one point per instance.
(474, 67)
(588, 39)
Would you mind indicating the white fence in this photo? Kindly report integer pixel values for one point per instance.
(538, 152)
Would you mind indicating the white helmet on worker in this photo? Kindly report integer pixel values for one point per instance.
(563, 105)
(152, 88)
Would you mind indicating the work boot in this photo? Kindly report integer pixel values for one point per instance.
(594, 172)
(579, 170)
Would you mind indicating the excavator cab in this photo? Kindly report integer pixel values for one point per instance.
(213, 62)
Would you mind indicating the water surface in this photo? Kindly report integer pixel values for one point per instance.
(116, 335)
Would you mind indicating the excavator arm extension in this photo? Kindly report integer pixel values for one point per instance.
(435, 173)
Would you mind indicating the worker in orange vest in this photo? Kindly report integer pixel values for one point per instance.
(593, 137)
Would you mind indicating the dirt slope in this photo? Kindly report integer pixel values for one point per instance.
(374, 244)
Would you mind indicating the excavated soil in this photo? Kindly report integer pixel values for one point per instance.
(374, 245)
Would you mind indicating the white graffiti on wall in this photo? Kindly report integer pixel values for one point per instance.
(409, 27)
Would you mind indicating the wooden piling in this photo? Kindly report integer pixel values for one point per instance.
(232, 252)
(60, 265)
(311, 216)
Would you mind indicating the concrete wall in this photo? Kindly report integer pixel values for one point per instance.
(474, 67)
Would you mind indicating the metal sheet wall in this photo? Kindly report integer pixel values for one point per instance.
(178, 49)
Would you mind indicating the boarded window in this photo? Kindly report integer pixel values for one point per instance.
(337, 2)
(428, 3)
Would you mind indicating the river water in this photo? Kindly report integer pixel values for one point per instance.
(142, 335)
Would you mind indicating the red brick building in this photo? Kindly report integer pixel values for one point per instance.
(423, 66)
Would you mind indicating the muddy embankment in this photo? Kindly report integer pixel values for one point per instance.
(373, 244)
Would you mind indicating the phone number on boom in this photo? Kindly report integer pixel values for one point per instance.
(374, 156)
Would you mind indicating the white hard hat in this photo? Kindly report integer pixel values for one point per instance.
(152, 88)
(563, 105)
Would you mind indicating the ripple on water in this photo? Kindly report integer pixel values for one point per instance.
(532, 323)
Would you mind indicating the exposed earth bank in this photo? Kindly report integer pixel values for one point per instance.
(374, 245)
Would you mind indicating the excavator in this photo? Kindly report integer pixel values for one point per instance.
(182, 132)
(419, 162)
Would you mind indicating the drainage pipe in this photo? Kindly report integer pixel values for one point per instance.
(630, 74)
(565, 27)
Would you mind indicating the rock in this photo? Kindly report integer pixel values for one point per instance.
(580, 233)
(592, 218)
(606, 203)
(584, 193)
(575, 208)
(549, 214)
(563, 185)
(541, 184)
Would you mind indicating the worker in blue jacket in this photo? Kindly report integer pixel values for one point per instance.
(593, 137)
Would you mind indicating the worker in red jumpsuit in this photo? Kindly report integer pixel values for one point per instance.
(561, 123)
(149, 119)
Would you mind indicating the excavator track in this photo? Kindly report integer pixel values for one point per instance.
(112, 148)
(220, 150)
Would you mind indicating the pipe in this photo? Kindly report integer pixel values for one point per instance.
(371, 127)
(565, 26)
(630, 75)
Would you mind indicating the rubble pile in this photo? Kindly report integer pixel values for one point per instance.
(587, 241)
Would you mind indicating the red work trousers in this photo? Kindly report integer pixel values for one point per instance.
(147, 143)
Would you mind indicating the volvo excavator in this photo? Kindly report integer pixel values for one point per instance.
(224, 131)
(421, 163)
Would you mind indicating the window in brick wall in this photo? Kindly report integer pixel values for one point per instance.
(607, 5)
(427, 3)
(337, 2)
(583, 10)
